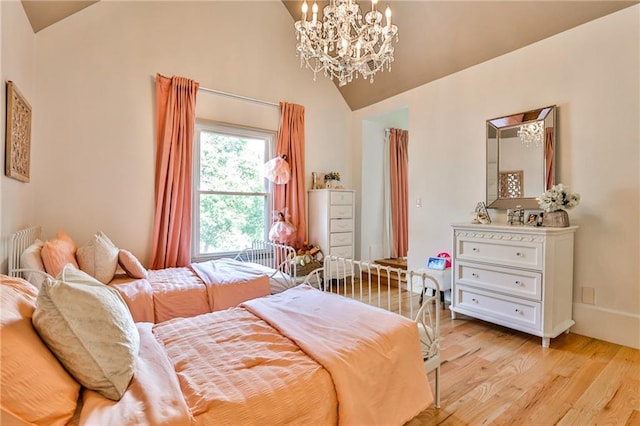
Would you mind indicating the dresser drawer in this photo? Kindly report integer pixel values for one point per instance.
(343, 251)
(493, 249)
(341, 239)
(341, 225)
(505, 310)
(519, 283)
(341, 198)
(341, 212)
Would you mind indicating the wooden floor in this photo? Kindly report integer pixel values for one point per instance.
(492, 375)
(497, 376)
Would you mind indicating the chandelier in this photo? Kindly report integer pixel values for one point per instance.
(531, 134)
(344, 43)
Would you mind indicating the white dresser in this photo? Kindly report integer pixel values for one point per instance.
(520, 277)
(331, 213)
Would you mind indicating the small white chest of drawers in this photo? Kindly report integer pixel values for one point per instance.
(331, 215)
(520, 277)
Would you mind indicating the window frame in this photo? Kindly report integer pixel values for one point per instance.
(202, 125)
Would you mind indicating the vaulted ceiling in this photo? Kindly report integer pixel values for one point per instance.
(436, 38)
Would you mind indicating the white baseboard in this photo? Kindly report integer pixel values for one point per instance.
(612, 326)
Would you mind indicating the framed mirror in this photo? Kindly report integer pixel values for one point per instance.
(520, 158)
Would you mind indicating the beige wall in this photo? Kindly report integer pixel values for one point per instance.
(592, 74)
(95, 165)
(17, 199)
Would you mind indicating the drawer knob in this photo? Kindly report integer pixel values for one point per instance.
(476, 249)
(474, 275)
(519, 283)
(518, 311)
(474, 300)
(520, 254)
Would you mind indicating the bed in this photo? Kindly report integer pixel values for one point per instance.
(315, 356)
(161, 295)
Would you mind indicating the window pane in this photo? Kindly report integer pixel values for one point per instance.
(230, 222)
(231, 163)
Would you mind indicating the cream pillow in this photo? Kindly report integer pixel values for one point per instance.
(31, 258)
(36, 389)
(99, 258)
(57, 252)
(131, 265)
(89, 328)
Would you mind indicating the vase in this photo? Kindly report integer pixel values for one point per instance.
(557, 219)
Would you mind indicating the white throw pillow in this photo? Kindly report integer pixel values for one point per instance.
(89, 328)
(31, 259)
(99, 258)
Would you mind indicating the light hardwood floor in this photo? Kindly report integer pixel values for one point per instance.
(497, 376)
(492, 375)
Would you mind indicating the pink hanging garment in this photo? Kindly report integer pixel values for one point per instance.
(282, 231)
(277, 170)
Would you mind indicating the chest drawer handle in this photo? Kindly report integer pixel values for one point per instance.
(519, 283)
(519, 254)
(474, 300)
(476, 249)
(518, 311)
(474, 275)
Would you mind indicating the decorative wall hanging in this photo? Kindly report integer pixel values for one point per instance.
(18, 135)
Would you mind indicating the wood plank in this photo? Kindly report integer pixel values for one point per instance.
(494, 375)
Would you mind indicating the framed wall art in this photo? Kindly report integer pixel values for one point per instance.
(18, 135)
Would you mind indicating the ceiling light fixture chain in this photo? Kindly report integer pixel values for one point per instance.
(344, 43)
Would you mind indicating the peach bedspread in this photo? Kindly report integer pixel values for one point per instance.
(283, 359)
(235, 369)
(231, 282)
(189, 291)
(373, 355)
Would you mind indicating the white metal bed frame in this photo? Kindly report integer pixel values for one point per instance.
(19, 242)
(275, 256)
(366, 281)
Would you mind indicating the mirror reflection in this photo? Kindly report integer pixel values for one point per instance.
(520, 158)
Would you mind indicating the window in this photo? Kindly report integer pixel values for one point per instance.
(232, 199)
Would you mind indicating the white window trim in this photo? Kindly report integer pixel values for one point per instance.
(234, 130)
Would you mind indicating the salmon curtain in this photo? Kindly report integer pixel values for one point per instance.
(399, 159)
(175, 115)
(549, 160)
(292, 194)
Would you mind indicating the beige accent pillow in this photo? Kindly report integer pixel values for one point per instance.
(89, 328)
(31, 258)
(57, 252)
(99, 258)
(36, 389)
(131, 265)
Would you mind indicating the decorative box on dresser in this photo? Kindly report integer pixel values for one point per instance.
(520, 277)
(331, 227)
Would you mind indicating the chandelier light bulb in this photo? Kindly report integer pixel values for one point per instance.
(305, 7)
(387, 13)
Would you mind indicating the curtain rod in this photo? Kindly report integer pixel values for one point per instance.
(244, 98)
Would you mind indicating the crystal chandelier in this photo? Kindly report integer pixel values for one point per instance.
(344, 42)
(531, 134)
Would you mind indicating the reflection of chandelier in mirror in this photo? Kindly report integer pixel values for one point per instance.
(531, 134)
(345, 43)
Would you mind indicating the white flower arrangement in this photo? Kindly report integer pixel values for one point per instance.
(558, 198)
